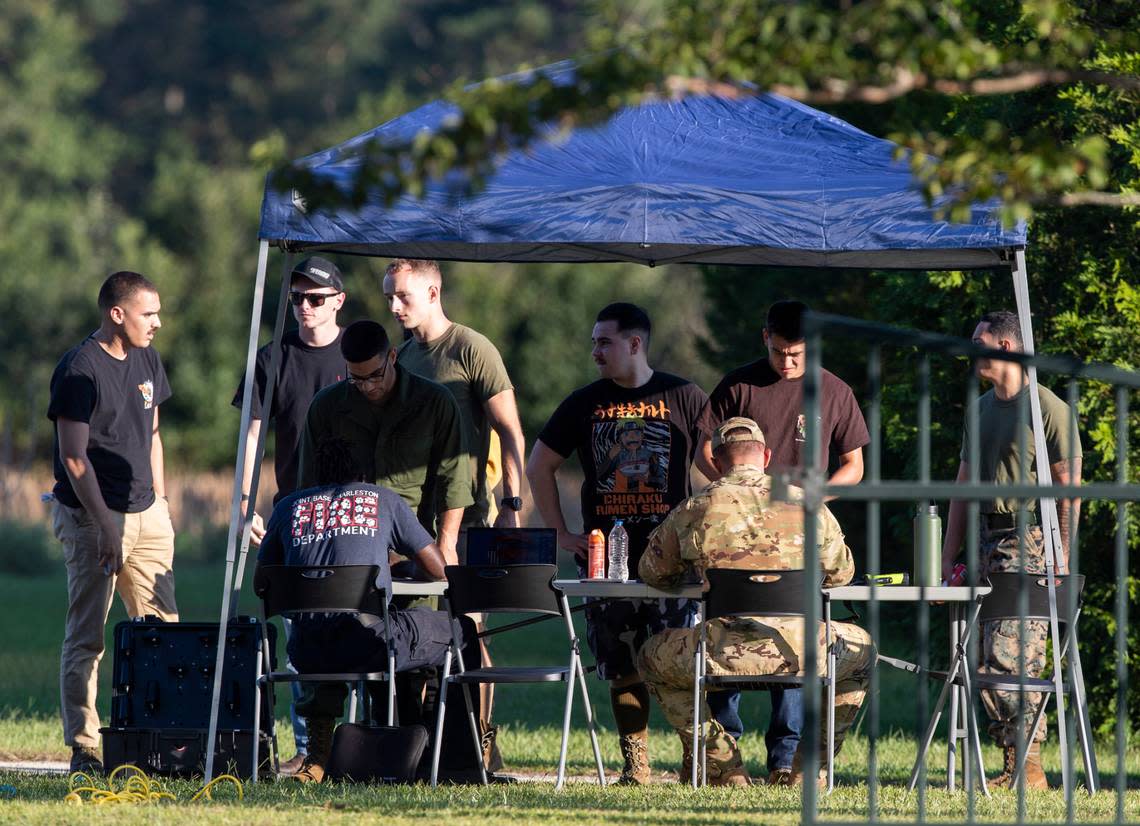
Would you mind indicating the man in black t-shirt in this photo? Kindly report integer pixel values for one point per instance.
(635, 433)
(310, 359)
(110, 508)
(770, 392)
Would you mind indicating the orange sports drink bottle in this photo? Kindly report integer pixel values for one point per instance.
(596, 555)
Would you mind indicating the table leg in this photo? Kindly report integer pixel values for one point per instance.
(955, 706)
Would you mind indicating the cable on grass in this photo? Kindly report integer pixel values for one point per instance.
(138, 788)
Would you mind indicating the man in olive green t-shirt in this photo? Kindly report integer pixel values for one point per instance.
(1000, 459)
(468, 364)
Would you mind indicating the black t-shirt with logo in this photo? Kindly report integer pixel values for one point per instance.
(116, 399)
(635, 446)
(302, 371)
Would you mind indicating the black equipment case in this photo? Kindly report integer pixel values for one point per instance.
(162, 685)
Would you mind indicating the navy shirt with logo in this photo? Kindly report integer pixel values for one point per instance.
(350, 524)
(117, 399)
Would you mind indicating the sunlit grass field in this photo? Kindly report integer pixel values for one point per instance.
(529, 718)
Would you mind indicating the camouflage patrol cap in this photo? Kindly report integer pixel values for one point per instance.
(721, 434)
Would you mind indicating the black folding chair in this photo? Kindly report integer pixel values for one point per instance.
(288, 590)
(525, 589)
(736, 592)
(1002, 603)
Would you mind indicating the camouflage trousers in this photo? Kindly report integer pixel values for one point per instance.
(1001, 641)
(751, 647)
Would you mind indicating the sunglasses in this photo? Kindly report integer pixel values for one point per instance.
(314, 299)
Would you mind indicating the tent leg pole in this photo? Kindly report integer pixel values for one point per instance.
(266, 404)
(1047, 507)
(235, 505)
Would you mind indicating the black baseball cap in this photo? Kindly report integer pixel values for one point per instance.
(320, 271)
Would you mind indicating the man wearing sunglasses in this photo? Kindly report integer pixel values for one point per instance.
(309, 359)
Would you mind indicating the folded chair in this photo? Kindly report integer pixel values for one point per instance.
(1002, 603)
(525, 589)
(737, 592)
(289, 590)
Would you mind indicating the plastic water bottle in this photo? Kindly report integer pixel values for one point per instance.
(619, 552)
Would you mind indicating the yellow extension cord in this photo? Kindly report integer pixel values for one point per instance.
(138, 788)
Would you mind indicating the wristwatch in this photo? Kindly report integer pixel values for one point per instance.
(512, 502)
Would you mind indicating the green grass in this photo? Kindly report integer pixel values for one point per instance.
(529, 718)
(39, 800)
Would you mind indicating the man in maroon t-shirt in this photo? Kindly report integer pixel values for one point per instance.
(770, 392)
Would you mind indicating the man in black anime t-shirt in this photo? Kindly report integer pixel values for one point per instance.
(635, 434)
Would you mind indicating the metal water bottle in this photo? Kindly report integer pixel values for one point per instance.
(927, 545)
(596, 554)
(619, 552)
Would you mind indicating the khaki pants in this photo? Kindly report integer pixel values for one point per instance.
(145, 585)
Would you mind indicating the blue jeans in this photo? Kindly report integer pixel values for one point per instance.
(784, 726)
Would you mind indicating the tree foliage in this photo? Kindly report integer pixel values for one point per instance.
(824, 53)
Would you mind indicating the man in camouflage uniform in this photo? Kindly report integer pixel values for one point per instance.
(734, 523)
(999, 420)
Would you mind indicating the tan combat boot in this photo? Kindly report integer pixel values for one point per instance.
(320, 747)
(635, 753)
(729, 773)
(685, 775)
(492, 758)
(733, 777)
(783, 777)
(1034, 773)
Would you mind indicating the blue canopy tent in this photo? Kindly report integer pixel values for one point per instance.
(752, 180)
(758, 180)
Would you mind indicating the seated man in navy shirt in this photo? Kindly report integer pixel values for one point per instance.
(344, 521)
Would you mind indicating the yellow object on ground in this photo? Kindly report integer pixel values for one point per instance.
(138, 788)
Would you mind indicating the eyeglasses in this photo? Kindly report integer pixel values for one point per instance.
(374, 377)
(314, 299)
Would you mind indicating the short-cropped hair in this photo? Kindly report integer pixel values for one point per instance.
(336, 463)
(420, 266)
(629, 317)
(1004, 324)
(786, 320)
(362, 340)
(121, 286)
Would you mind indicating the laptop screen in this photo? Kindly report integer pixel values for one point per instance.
(512, 546)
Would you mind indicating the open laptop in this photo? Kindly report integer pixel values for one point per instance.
(512, 546)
